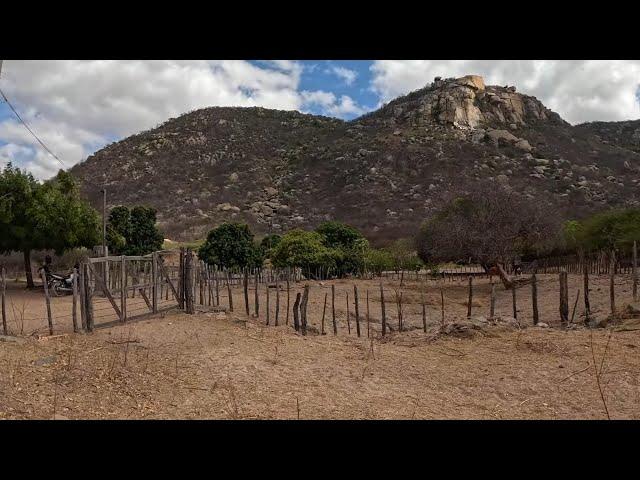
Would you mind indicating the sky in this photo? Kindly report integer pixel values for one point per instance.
(78, 106)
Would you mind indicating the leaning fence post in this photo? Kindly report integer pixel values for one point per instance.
(4, 308)
(515, 305)
(48, 301)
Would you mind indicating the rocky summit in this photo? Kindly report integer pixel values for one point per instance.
(278, 170)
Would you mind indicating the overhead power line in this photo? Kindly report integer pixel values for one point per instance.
(29, 128)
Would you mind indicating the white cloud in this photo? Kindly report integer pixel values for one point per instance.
(579, 90)
(330, 105)
(347, 75)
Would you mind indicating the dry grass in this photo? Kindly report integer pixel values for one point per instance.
(225, 366)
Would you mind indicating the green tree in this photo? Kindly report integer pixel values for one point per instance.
(268, 243)
(231, 246)
(133, 231)
(347, 240)
(616, 229)
(303, 249)
(36, 216)
(378, 260)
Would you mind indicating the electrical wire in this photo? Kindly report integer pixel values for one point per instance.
(31, 131)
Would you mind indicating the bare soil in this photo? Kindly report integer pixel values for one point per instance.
(217, 365)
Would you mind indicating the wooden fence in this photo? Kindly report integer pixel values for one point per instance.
(117, 289)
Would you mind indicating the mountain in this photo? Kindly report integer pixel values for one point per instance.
(282, 169)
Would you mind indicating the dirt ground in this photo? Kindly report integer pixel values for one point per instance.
(216, 365)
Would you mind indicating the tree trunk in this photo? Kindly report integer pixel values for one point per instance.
(27, 268)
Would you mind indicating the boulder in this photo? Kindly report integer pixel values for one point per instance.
(523, 145)
(497, 135)
(476, 82)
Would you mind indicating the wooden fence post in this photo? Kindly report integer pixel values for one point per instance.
(229, 290)
(256, 300)
(333, 309)
(74, 307)
(442, 306)
(123, 287)
(424, 314)
(181, 277)
(534, 298)
(188, 283)
(4, 308)
(368, 319)
(470, 296)
(246, 290)
(634, 271)
(348, 321)
(384, 314)
(48, 301)
(355, 295)
(154, 284)
(277, 298)
(324, 309)
(288, 304)
(515, 306)
(492, 307)
(587, 305)
(266, 285)
(303, 309)
(564, 299)
(296, 314)
(612, 288)
(88, 298)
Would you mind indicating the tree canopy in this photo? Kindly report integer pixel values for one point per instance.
(303, 249)
(35, 216)
(231, 245)
(616, 229)
(487, 224)
(133, 231)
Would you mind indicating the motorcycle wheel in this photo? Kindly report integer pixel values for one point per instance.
(56, 289)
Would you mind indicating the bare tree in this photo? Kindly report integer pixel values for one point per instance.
(487, 224)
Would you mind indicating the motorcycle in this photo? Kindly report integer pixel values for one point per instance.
(59, 285)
